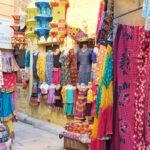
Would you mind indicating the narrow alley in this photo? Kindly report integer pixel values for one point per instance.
(30, 138)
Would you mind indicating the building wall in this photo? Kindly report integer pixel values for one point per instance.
(122, 6)
(78, 13)
(7, 8)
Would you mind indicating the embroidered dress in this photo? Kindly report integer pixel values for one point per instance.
(65, 74)
(72, 64)
(49, 67)
(80, 106)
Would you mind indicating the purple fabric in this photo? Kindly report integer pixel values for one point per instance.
(51, 95)
(93, 57)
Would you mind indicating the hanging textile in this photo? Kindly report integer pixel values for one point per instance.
(131, 82)
(104, 104)
(1, 73)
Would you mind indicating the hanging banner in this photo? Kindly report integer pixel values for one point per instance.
(5, 33)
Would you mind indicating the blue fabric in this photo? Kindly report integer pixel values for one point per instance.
(6, 106)
(69, 109)
(69, 95)
(93, 57)
(49, 68)
(27, 59)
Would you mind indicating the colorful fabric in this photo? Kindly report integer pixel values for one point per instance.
(65, 74)
(70, 97)
(9, 62)
(100, 15)
(6, 106)
(80, 106)
(56, 75)
(99, 64)
(72, 64)
(10, 80)
(104, 104)
(41, 65)
(49, 67)
(56, 56)
(27, 59)
(90, 96)
(51, 95)
(126, 52)
(142, 93)
(1, 73)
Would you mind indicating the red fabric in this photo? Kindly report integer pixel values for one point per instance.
(98, 145)
(100, 15)
(9, 81)
(56, 76)
(125, 61)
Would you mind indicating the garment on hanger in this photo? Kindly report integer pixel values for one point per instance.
(131, 81)
(72, 64)
(6, 106)
(9, 62)
(70, 97)
(40, 66)
(57, 65)
(35, 58)
(1, 73)
(80, 105)
(10, 81)
(58, 97)
(65, 74)
(49, 67)
(51, 97)
(84, 61)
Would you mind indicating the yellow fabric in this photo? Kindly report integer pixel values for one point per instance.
(41, 63)
(63, 93)
(90, 96)
(107, 94)
(10, 126)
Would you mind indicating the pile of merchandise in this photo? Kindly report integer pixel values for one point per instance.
(77, 130)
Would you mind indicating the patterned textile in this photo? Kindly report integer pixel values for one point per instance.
(142, 93)
(100, 57)
(104, 104)
(80, 106)
(9, 62)
(9, 82)
(100, 15)
(72, 64)
(126, 52)
(49, 67)
(106, 23)
(65, 74)
(40, 66)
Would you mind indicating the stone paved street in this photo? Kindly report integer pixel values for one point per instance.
(30, 138)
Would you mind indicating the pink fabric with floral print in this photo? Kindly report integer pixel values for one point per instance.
(9, 81)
